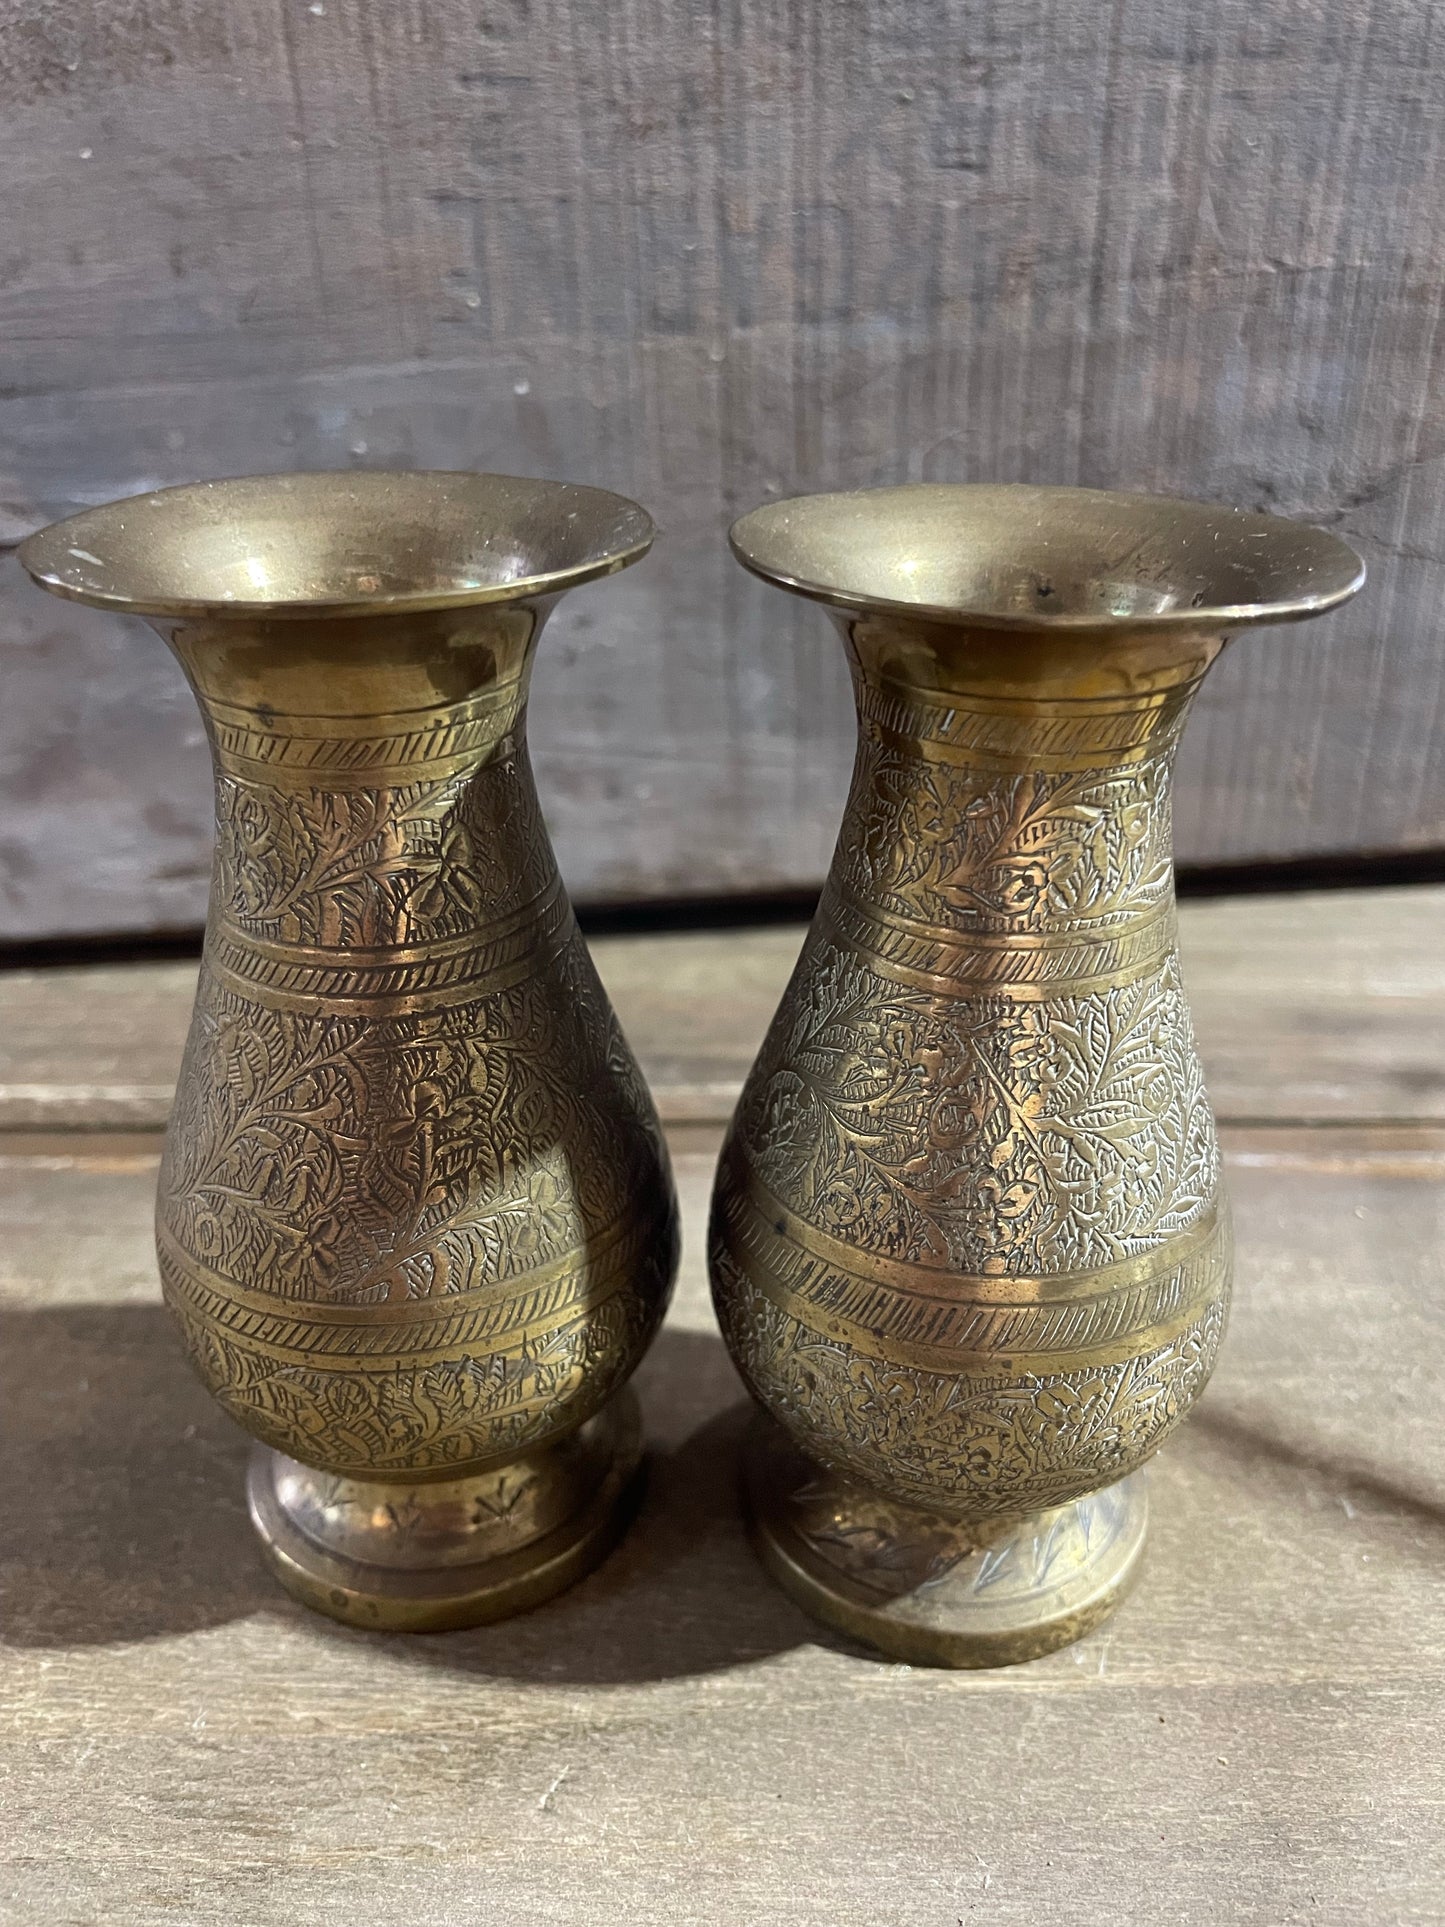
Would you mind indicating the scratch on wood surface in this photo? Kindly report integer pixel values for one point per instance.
(545, 1803)
(1427, 1165)
(298, 97)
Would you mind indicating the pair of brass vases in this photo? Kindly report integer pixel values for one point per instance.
(968, 1245)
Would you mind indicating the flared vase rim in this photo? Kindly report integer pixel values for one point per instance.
(622, 533)
(760, 541)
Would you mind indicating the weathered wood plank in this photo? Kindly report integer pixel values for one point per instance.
(707, 255)
(1327, 1005)
(1255, 1738)
(98, 1045)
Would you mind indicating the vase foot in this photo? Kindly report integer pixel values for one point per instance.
(929, 1590)
(431, 1557)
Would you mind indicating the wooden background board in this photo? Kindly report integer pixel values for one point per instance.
(1253, 1741)
(710, 254)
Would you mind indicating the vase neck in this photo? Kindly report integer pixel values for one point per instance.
(1009, 817)
(1129, 666)
(375, 810)
(312, 694)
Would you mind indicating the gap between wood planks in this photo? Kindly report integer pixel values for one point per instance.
(1365, 1147)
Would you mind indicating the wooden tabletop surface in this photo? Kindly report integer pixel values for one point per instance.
(1256, 1737)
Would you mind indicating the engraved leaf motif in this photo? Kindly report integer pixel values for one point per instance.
(943, 843)
(984, 1132)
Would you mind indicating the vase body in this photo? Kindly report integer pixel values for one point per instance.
(969, 1246)
(415, 1216)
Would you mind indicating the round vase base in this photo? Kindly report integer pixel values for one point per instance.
(928, 1590)
(433, 1556)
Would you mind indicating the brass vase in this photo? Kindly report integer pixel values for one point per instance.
(968, 1245)
(415, 1215)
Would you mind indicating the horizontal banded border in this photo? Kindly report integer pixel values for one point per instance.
(499, 1317)
(1028, 967)
(360, 752)
(996, 731)
(943, 1321)
(418, 977)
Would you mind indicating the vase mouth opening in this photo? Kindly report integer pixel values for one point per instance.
(1064, 560)
(361, 542)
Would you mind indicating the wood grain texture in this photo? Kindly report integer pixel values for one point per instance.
(1254, 1739)
(708, 254)
(1319, 1006)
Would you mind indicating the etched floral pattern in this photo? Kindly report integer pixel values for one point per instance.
(477, 1130)
(357, 1160)
(1035, 1121)
(455, 1411)
(373, 868)
(982, 1134)
(975, 1446)
(969, 849)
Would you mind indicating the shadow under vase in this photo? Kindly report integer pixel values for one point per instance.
(684, 1594)
(122, 1512)
(123, 1516)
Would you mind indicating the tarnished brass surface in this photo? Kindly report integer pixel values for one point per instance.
(935, 1591)
(968, 1245)
(447, 1553)
(415, 1216)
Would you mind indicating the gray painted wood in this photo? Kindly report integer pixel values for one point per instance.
(708, 254)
